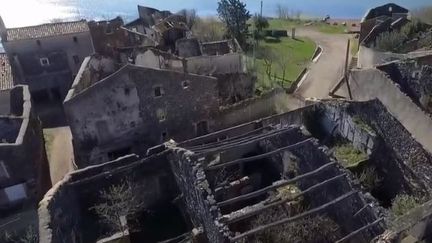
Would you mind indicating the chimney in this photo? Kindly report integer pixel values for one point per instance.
(3, 31)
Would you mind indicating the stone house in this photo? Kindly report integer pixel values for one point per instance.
(47, 57)
(24, 171)
(109, 36)
(381, 19)
(162, 27)
(219, 184)
(135, 108)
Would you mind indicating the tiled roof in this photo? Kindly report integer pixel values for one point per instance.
(46, 30)
(6, 78)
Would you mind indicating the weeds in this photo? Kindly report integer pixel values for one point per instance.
(349, 156)
(404, 203)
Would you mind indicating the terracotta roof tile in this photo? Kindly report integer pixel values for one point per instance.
(46, 30)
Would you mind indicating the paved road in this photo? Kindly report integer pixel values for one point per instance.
(58, 144)
(329, 68)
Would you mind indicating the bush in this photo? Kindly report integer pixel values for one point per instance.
(404, 203)
(347, 155)
(306, 230)
(369, 178)
(390, 41)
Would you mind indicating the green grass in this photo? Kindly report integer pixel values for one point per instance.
(349, 156)
(322, 27)
(295, 53)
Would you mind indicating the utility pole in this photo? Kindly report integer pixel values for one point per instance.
(346, 76)
(261, 8)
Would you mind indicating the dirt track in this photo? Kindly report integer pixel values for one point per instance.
(329, 68)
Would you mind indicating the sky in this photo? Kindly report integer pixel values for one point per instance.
(17, 13)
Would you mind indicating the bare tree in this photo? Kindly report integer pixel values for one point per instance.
(269, 57)
(283, 63)
(119, 201)
(190, 16)
(282, 11)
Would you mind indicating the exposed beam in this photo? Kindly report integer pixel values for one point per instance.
(350, 235)
(274, 186)
(225, 141)
(245, 141)
(255, 212)
(176, 239)
(291, 219)
(257, 157)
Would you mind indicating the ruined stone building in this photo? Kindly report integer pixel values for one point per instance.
(381, 19)
(47, 57)
(163, 27)
(24, 173)
(264, 178)
(403, 87)
(136, 108)
(110, 35)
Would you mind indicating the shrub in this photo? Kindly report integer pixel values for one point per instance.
(369, 178)
(347, 155)
(390, 41)
(403, 203)
(306, 230)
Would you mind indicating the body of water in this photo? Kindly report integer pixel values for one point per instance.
(17, 13)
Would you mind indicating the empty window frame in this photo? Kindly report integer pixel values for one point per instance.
(161, 115)
(44, 62)
(158, 91)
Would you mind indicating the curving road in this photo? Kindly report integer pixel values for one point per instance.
(329, 69)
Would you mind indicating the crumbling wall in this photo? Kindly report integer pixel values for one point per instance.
(198, 196)
(23, 151)
(209, 65)
(139, 108)
(79, 191)
(369, 57)
(369, 84)
(59, 215)
(188, 47)
(234, 87)
(413, 159)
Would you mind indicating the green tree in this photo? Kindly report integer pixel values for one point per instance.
(260, 22)
(235, 16)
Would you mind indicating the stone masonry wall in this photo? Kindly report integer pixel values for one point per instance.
(198, 196)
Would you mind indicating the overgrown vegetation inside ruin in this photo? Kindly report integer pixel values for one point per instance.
(349, 156)
(396, 41)
(362, 124)
(319, 228)
(403, 203)
(369, 178)
(29, 236)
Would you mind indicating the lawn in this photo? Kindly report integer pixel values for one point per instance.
(292, 54)
(322, 27)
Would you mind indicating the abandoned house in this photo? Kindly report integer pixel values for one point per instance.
(381, 19)
(162, 27)
(108, 36)
(136, 108)
(6, 83)
(24, 172)
(47, 57)
(263, 179)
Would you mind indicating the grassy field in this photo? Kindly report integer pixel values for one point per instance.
(322, 27)
(289, 54)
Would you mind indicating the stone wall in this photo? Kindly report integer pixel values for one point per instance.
(209, 65)
(129, 113)
(23, 152)
(79, 191)
(198, 196)
(4, 102)
(369, 57)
